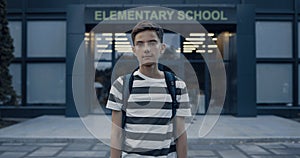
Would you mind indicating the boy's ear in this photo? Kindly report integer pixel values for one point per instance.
(163, 47)
(133, 49)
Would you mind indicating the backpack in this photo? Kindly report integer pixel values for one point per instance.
(127, 88)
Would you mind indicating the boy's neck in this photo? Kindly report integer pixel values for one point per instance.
(151, 71)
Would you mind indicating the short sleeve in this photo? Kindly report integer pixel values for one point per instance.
(183, 99)
(114, 101)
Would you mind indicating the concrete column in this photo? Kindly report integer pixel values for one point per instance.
(246, 61)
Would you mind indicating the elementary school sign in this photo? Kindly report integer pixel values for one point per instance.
(201, 14)
(160, 15)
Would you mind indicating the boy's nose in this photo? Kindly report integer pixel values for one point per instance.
(147, 48)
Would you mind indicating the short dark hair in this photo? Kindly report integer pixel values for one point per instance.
(147, 25)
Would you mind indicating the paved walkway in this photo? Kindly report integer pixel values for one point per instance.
(94, 149)
(230, 137)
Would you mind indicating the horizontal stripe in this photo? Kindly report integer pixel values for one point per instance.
(147, 144)
(184, 105)
(113, 98)
(160, 113)
(146, 90)
(149, 105)
(147, 120)
(155, 83)
(137, 77)
(113, 105)
(159, 90)
(118, 84)
(183, 98)
(149, 136)
(115, 92)
(180, 84)
(120, 80)
(158, 153)
(151, 129)
(146, 83)
(184, 112)
(138, 73)
(134, 155)
(150, 97)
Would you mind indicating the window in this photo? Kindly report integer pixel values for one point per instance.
(46, 39)
(273, 39)
(46, 83)
(274, 83)
(299, 84)
(299, 39)
(15, 29)
(172, 40)
(15, 71)
(103, 46)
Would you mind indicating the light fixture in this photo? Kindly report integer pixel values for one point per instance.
(123, 46)
(195, 39)
(210, 34)
(101, 46)
(104, 51)
(121, 39)
(117, 42)
(106, 34)
(120, 34)
(108, 39)
(212, 46)
(197, 34)
(200, 51)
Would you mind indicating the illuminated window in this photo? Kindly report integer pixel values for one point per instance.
(200, 43)
(103, 45)
(123, 43)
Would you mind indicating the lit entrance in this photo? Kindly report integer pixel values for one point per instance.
(108, 47)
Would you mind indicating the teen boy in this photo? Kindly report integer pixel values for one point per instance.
(150, 130)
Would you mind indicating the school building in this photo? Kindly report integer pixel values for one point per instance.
(258, 41)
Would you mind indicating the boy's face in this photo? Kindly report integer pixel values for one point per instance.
(147, 47)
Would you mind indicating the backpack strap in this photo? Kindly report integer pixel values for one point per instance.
(127, 87)
(171, 85)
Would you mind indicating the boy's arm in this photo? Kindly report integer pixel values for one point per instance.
(116, 134)
(181, 142)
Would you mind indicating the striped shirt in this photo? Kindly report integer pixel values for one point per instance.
(149, 128)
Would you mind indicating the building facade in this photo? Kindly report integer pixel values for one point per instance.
(258, 40)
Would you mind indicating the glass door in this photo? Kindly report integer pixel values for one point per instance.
(110, 49)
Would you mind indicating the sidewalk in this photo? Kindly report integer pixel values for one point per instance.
(231, 137)
(98, 126)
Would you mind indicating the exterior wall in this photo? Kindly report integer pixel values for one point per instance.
(246, 100)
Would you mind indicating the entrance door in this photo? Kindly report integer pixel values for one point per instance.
(224, 40)
(108, 48)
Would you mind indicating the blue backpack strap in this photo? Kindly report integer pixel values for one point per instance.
(171, 84)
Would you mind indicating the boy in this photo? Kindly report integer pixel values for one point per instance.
(149, 129)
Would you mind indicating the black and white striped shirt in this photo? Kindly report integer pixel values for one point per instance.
(149, 128)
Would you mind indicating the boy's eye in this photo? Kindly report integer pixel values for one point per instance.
(152, 43)
(139, 44)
